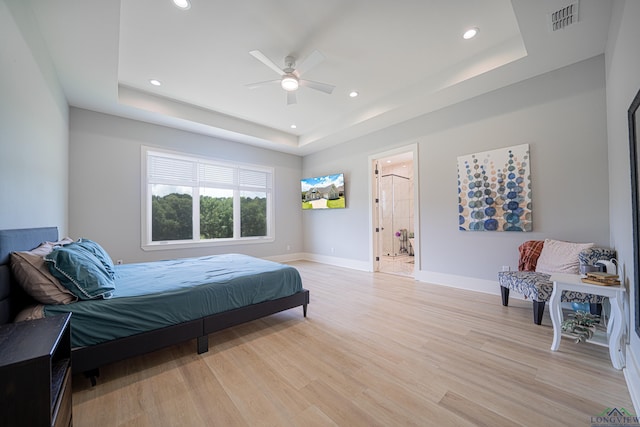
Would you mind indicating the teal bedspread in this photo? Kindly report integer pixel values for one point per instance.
(156, 294)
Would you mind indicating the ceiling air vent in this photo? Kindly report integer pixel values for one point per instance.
(564, 17)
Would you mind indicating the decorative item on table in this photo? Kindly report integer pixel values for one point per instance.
(581, 306)
(608, 266)
(586, 268)
(601, 278)
(581, 325)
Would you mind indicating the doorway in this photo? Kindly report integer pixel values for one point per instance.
(394, 212)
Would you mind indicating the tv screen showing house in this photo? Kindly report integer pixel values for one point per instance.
(323, 192)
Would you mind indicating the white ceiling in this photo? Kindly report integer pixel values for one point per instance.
(405, 58)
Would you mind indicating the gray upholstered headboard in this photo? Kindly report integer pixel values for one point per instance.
(12, 298)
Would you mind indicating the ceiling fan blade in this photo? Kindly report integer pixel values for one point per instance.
(309, 62)
(266, 61)
(292, 98)
(260, 84)
(322, 87)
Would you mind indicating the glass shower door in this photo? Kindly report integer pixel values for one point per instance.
(395, 215)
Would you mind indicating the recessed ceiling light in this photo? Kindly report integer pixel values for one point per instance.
(155, 82)
(182, 4)
(353, 94)
(470, 33)
(294, 127)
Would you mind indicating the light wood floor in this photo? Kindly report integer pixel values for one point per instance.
(375, 350)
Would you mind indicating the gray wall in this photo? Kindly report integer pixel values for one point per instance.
(561, 115)
(33, 128)
(105, 185)
(623, 82)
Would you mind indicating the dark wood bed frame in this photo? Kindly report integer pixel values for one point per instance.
(89, 359)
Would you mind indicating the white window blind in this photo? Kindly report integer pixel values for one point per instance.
(217, 174)
(171, 170)
(254, 179)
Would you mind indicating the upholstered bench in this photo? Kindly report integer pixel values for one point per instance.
(537, 285)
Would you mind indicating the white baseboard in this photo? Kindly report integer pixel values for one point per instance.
(323, 259)
(632, 376)
(462, 282)
(338, 262)
(286, 257)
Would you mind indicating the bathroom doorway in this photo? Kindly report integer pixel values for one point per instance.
(394, 212)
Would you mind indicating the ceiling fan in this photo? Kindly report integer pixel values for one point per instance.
(290, 75)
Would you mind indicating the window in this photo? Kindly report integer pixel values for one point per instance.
(191, 201)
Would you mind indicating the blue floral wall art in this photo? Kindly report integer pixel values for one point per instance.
(494, 190)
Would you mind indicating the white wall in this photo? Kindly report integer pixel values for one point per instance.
(561, 115)
(105, 185)
(33, 127)
(623, 82)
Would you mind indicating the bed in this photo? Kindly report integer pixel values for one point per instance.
(101, 334)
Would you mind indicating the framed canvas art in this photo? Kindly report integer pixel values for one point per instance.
(494, 190)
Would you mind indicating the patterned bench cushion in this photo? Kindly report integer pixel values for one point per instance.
(538, 287)
(593, 255)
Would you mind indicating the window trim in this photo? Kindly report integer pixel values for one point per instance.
(146, 204)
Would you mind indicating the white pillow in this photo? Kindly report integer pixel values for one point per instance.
(560, 257)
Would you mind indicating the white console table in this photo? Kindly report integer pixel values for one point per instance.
(616, 327)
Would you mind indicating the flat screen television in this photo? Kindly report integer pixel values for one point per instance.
(323, 192)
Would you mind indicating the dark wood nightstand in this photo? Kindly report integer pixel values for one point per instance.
(35, 372)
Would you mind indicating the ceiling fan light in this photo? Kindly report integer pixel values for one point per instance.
(182, 4)
(289, 83)
(470, 33)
